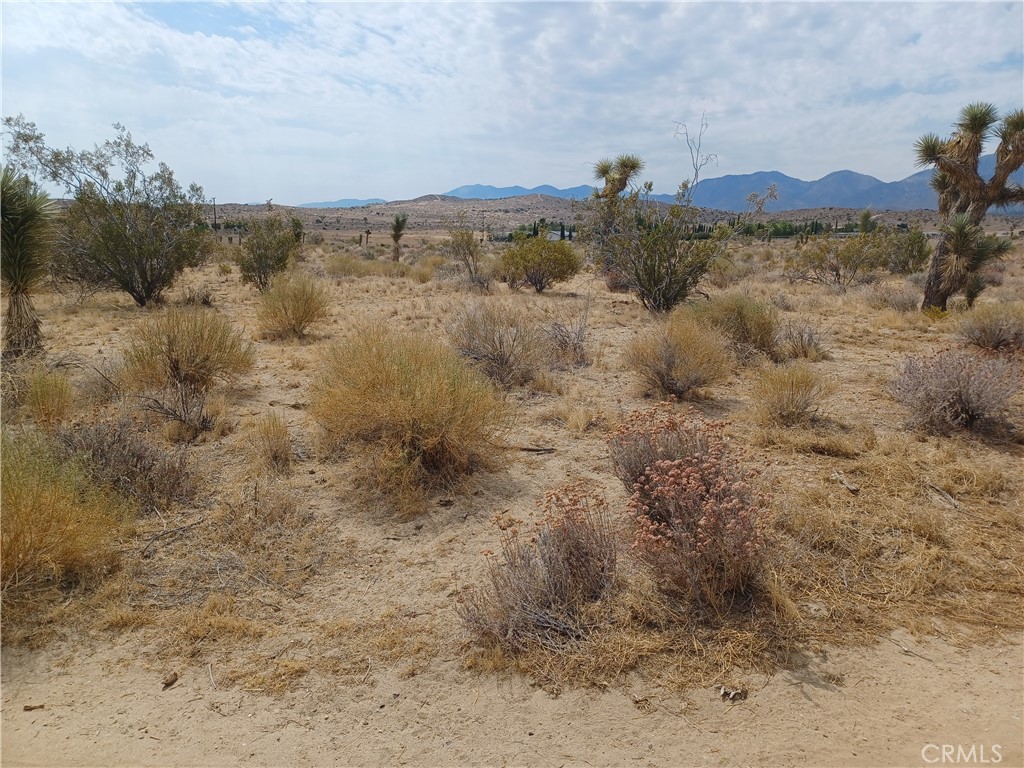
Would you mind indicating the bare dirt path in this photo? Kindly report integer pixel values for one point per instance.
(879, 706)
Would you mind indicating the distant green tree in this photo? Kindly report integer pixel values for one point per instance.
(539, 261)
(266, 250)
(137, 232)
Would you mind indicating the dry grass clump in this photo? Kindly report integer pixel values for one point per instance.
(291, 305)
(542, 592)
(271, 443)
(502, 341)
(59, 529)
(996, 327)
(956, 390)
(424, 416)
(115, 454)
(345, 265)
(803, 341)
(680, 357)
(751, 325)
(790, 395)
(48, 397)
(178, 356)
(898, 299)
(568, 339)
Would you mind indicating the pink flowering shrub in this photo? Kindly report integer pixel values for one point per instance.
(700, 523)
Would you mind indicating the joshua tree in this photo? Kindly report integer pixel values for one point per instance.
(397, 230)
(27, 236)
(965, 197)
(616, 174)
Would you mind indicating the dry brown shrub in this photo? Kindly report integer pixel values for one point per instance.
(956, 390)
(421, 415)
(116, 454)
(800, 341)
(751, 325)
(790, 395)
(48, 397)
(679, 358)
(502, 341)
(178, 356)
(292, 304)
(546, 591)
(59, 529)
(271, 443)
(994, 327)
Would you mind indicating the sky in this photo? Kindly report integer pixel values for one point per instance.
(301, 102)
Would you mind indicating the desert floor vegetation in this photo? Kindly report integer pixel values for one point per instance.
(379, 524)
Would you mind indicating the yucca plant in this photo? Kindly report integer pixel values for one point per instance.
(968, 249)
(27, 214)
(964, 196)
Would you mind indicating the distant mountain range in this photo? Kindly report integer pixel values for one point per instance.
(343, 203)
(840, 189)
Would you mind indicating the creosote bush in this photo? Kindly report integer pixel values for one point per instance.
(544, 591)
(291, 305)
(700, 524)
(956, 390)
(501, 341)
(539, 262)
(179, 355)
(59, 529)
(679, 357)
(996, 327)
(789, 395)
(266, 250)
(424, 416)
(751, 325)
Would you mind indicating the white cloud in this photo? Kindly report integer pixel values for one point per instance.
(303, 101)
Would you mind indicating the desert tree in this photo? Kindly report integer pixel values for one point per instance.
(965, 196)
(27, 217)
(648, 246)
(397, 230)
(137, 230)
(267, 249)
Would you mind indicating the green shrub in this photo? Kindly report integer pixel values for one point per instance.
(422, 414)
(679, 356)
(267, 246)
(539, 262)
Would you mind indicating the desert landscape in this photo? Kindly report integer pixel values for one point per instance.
(283, 600)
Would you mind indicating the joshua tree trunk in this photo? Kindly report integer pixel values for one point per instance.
(935, 292)
(21, 326)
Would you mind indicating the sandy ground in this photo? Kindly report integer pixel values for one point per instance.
(880, 706)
